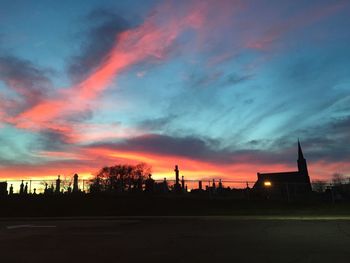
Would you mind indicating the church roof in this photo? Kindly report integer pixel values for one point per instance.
(281, 178)
(286, 177)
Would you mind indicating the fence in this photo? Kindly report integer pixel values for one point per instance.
(38, 186)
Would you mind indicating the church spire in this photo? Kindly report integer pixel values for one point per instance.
(302, 167)
(300, 152)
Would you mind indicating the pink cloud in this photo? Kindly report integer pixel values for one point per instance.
(152, 39)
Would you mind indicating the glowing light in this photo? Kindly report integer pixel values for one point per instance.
(267, 184)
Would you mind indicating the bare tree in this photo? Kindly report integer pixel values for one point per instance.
(120, 178)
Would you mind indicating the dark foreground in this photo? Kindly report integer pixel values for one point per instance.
(176, 239)
(135, 205)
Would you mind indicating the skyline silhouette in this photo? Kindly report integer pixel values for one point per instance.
(298, 180)
(126, 178)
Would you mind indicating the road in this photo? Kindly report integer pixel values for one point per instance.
(176, 239)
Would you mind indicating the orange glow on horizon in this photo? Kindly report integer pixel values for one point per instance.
(90, 160)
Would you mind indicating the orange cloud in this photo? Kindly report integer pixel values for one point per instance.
(87, 160)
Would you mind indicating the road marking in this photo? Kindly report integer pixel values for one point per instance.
(29, 226)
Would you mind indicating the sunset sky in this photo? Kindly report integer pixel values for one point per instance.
(223, 88)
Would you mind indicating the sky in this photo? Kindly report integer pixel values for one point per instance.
(222, 88)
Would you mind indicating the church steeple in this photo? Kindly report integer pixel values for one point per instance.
(302, 165)
(300, 152)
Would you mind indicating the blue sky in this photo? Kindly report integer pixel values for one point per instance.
(224, 88)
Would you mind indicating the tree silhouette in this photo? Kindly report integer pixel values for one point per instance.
(120, 178)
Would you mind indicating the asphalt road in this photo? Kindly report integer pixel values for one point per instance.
(176, 239)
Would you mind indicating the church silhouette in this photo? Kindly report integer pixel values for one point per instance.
(280, 182)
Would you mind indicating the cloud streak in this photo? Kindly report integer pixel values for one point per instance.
(151, 39)
(211, 97)
(30, 84)
(300, 20)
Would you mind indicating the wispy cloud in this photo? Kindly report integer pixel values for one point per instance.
(30, 84)
(303, 19)
(224, 106)
(151, 39)
(100, 37)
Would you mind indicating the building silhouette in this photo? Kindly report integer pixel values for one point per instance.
(286, 182)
